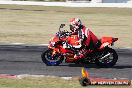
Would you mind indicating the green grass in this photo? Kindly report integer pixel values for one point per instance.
(46, 82)
(37, 24)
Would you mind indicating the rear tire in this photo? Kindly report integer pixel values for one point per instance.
(50, 60)
(105, 63)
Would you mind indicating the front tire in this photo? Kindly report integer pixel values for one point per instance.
(109, 61)
(50, 60)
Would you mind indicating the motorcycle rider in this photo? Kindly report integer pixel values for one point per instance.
(87, 39)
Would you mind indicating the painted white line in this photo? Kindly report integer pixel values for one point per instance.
(21, 76)
(27, 75)
(43, 44)
(39, 76)
(66, 78)
(17, 43)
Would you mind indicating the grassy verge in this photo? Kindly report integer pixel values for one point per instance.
(46, 82)
(37, 24)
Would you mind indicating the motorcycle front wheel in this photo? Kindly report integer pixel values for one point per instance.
(108, 58)
(50, 60)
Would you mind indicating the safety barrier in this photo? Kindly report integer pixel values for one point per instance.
(68, 4)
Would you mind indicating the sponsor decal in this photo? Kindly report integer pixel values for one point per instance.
(86, 80)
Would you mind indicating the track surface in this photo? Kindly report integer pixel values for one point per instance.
(29, 62)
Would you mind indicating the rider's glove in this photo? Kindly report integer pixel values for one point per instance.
(66, 45)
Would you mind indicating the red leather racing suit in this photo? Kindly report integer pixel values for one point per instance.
(87, 41)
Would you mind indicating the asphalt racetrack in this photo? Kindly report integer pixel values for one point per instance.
(17, 62)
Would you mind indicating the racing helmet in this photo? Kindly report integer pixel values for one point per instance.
(75, 24)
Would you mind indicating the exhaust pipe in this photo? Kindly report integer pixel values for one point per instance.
(105, 56)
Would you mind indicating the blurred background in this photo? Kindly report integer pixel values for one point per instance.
(89, 1)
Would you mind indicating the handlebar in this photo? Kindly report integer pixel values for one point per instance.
(63, 34)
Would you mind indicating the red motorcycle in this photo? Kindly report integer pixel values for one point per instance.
(101, 54)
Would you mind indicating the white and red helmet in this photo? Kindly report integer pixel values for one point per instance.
(75, 23)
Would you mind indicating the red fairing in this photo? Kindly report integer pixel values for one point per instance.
(73, 40)
(106, 39)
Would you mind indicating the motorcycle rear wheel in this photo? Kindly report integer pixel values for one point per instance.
(106, 63)
(50, 60)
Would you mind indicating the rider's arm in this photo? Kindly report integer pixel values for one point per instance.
(81, 37)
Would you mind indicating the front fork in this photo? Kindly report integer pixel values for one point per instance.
(54, 50)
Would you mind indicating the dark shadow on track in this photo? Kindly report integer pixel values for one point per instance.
(80, 65)
(122, 67)
(95, 66)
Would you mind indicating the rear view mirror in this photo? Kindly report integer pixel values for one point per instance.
(61, 26)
